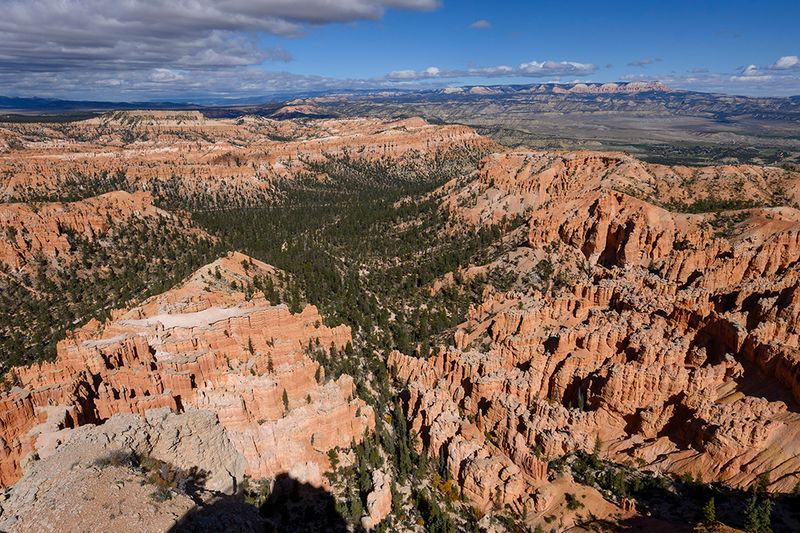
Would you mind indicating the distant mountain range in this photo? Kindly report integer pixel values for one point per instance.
(55, 105)
(648, 119)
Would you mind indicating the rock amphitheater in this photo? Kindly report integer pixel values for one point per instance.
(637, 325)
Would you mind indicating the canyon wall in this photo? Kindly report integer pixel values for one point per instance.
(186, 159)
(671, 339)
(205, 345)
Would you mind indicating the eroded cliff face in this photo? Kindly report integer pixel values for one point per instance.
(186, 159)
(672, 338)
(33, 233)
(515, 184)
(63, 262)
(207, 345)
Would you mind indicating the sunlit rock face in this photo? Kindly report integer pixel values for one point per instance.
(34, 233)
(185, 159)
(95, 477)
(673, 338)
(207, 345)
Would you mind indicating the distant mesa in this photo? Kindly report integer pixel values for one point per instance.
(557, 88)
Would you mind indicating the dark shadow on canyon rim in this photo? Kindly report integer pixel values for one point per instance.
(292, 506)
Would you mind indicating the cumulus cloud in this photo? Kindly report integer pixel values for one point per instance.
(786, 63)
(715, 82)
(751, 73)
(781, 78)
(481, 24)
(783, 72)
(49, 42)
(533, 69)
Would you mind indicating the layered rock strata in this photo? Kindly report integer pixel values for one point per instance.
(186, 159)
(205, 345)
(672, 339)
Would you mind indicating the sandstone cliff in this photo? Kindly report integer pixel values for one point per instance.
(671, 337)
(62, 263)
(188, 160)
(41, 232)
(207, 345)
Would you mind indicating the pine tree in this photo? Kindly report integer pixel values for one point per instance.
(356, 507)
(285, 401)
(765, 515)
(758, 514)
(709, 512)
(333, 457)
(403, 448)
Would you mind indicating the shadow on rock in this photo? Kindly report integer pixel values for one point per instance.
(222, 513)
(296, 506)
(291, 506)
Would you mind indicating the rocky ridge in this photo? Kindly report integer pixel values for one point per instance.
(90, 481)
(208, 344)
(186, 159)
(671, 339)
(41, 231)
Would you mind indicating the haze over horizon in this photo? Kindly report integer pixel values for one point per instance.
(144, 50)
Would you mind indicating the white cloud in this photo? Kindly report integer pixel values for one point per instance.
(165, 75)
(481, 24)
(754, 84)
(532, 69)
(403, 75)
(556, 68)
(786, 63)
(751, 73)
(752, 78)
(44, 43)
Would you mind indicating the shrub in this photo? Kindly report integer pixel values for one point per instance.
(573, 502)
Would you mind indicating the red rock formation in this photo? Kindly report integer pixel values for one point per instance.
(183, 156)
(522, 183)
(204, 345)
(672, 338)
(32, 232)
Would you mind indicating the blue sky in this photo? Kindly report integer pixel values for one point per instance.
(238, 47)
(717, 35)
